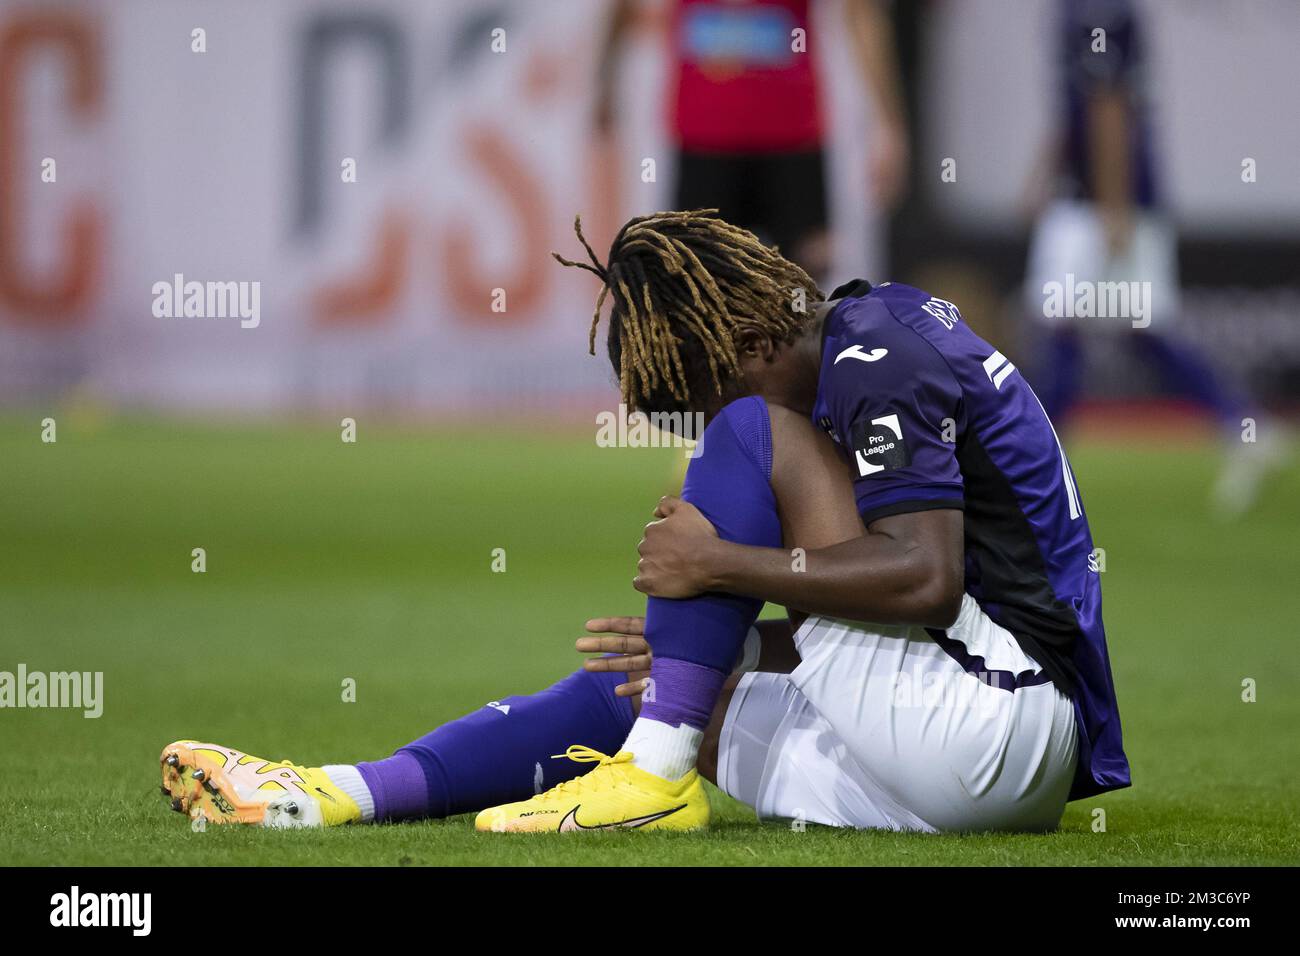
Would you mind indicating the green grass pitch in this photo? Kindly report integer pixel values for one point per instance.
(372, 561)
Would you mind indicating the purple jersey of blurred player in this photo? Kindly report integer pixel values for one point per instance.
(1086, 71)
(929, 415)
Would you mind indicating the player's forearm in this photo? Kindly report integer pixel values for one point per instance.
(620, 17)
(873, 578)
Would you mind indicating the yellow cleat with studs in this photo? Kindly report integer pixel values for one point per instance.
(224, 785)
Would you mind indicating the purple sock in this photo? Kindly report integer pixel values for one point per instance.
(1186, 372)
(684, 693)
(397, 786)
(1060, 377)
(696, 641)
(502, 752)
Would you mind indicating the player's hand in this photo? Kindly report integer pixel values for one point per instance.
(1117, 226)
(620, 636)
(674, 552)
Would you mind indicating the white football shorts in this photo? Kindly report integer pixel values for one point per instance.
(1068, 249)
(881, 727)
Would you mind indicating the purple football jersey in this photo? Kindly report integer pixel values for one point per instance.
(929, 415)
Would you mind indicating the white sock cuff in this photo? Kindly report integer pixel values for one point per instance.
(663, 750)
(348, 779)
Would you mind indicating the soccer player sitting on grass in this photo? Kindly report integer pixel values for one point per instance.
(951, 672)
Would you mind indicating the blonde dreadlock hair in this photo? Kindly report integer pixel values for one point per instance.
(684, 284)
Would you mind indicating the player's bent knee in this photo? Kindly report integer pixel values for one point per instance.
(813, 488)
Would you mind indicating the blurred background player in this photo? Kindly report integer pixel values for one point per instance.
(747, 117)
(1105, 224)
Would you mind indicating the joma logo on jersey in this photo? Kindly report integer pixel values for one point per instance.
(944, 311)
(878, 445)
(855, 352)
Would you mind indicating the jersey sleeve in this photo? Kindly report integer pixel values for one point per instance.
(897, 410)
(1092, 69)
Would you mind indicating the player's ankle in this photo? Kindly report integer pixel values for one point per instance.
(348, 779)
(664, 750)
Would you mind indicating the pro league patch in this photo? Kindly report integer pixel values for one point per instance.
(878, 445)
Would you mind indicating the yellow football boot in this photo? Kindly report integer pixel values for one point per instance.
(615, 795)
(225, 785)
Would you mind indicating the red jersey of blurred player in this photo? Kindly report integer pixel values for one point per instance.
(746, 80)
(745, 112)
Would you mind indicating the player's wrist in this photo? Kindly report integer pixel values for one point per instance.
(717, 564)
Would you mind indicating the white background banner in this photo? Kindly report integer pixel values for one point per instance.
(473, 150)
